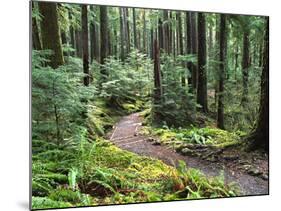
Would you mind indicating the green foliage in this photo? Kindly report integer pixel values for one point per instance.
(123, 86)
(46, 203)
(177, 104)
(194, 135)
(64, 195)
(57, 99)
(192, 184)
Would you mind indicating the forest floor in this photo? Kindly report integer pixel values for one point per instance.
(125, 135)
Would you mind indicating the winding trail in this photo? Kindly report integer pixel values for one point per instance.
(126, 137)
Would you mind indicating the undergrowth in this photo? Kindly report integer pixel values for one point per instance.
(87, 174)
(202, 136)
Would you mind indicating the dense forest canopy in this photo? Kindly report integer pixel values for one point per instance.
(197, 75)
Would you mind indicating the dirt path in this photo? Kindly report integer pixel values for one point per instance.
(125, 136)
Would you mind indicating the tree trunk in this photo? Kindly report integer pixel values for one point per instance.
(104, 40)
(260, 135)
(78, 42)
(63, 37)
(160, 34)
(151, 43)
(223, 46)
(71, 31)
(179, 20)
(135, 29)
(144, 32)
(51, 33)
(245, 66)
(157, 75)
(191, 42)
(122, 51)
(36, 43)
(94, 41)
(202, 74)
(236, 62)
(127, 31)
(85, 39)
(166, 31)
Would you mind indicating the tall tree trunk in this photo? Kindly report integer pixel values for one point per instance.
(260, 135)
(71, 31)
(151, 42)
(122, 50)
(127, 31)
(166, 31)
(78, 41)
(135, 29)
(179, 20)
(94, 40)
(63, 37)
(50, 32)
(202, 74)
(192, 48)
(170, 43)
(157, 75)
(36, 43)
(223, 46)
(188, 36)
(245, 65)
(104, 40)
(144, 32)
(236, 61)
(160, 34)
(85, 39)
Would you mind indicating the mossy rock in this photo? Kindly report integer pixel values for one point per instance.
(187, 151)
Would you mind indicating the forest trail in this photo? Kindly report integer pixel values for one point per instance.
(125, 136)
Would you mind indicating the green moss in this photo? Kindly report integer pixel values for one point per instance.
(206, 136)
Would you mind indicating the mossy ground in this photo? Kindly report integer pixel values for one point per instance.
(106, 174)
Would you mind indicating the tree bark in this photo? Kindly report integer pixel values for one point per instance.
(166, 31)
(94, 40)
(144, 32)
(36, 43)
(78, 41)
(157, 74)
(50, 32)
(122, 50)
(191, 41)
(103, 39)
(160, 34)
(180, 37)
(85, 39)
(135, 29)
(127, 31)
(223, 46)
(71, 31)
(202, 74)
(245, 66)
(260, 136)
